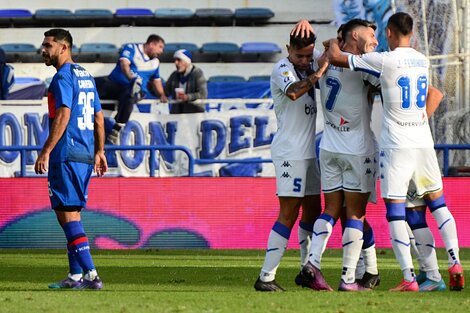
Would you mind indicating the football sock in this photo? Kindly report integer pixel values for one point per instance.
(368, 253)
(77, 244)
(305, 239)
(321, 233)
(352, 244)
(447, 228)
(277, 243)
(409, 274)
(360, 267)
(413, 249)
(75, 277)
(399, 236)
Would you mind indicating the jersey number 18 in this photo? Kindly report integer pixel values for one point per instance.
(405, 84)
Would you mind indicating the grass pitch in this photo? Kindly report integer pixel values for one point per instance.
(204, 281)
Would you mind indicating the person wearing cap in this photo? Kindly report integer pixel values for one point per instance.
(186, 84)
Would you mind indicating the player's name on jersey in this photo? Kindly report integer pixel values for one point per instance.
(331, 67)
(412, 63)
(85, 83)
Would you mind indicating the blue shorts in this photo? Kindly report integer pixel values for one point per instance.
(68, 185)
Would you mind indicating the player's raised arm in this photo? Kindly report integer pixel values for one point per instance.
(334, 54)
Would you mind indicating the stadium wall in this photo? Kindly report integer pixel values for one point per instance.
(215, 213)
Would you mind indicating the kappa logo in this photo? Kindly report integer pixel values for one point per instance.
(285, 175)
(282, 65)
(286, 164)
(343, 122)
(382, 153)
(368, 171)
(367, 160)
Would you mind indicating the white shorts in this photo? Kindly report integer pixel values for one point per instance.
(347, 172)
(400, 166)
(412, 199)
(297, 178)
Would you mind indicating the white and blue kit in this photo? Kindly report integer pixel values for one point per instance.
(140, 64)
(71, 161)
(293, 146)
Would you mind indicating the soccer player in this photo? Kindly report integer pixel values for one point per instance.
(293, 154)
(406, 145)
(347, 162)
(73, 149)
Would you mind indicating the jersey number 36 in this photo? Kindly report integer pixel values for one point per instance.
(85, 100)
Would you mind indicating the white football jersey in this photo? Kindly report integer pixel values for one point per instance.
(295, 136)
(403, 76)
(346, 111)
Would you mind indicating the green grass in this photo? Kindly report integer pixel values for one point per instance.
(203, 281)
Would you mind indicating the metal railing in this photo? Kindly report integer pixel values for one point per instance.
(191, 161)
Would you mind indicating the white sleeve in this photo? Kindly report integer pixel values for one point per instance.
(283, 76)
(316, 55)
(370, 63)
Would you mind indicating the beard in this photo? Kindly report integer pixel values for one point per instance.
(50, 60)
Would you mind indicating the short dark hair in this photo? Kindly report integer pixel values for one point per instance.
(60, 34)
(401, 23)
(154, 38)
(352, 24)
(299, 42)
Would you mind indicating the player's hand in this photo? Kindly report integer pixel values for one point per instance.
(42, 163)
(101, 164)
(302, 29)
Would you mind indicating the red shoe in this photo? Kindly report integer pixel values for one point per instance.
(406, 286)
(456, 280)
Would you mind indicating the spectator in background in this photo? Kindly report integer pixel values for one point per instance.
(7, 77)
(137, 73)
(186, 84)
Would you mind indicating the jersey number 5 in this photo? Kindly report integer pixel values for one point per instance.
(405, 84)
(86, 100)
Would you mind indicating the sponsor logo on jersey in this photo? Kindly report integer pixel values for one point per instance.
(285, 175)
(343, 122)
(286, 164)
(413, 124)
(338, 128)
(310, 109)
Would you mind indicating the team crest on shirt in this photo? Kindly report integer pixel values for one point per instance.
(286, 73)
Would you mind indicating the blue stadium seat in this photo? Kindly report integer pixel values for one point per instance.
(251, 16)
(174, 14)
(259, 78)
(94, 17)
(171, 47)
(21, 52)
(259, 51)
(214, 16)
(49, 14)
(98, 52)
(219, 51)
(12, 17)
(134, 16)
(226, 79)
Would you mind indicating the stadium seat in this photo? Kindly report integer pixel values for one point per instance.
(214, 16)
(259, 51)
(219, 51)
(259, 78)
(12, 17)
(171, 47)
(252, 16)
(98, 52)
(134, 16)
(93, 17)
(54, 17)
(226, 79)
(173, 16)
(21, 52)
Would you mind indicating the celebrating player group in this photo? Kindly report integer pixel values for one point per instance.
(349, 75)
